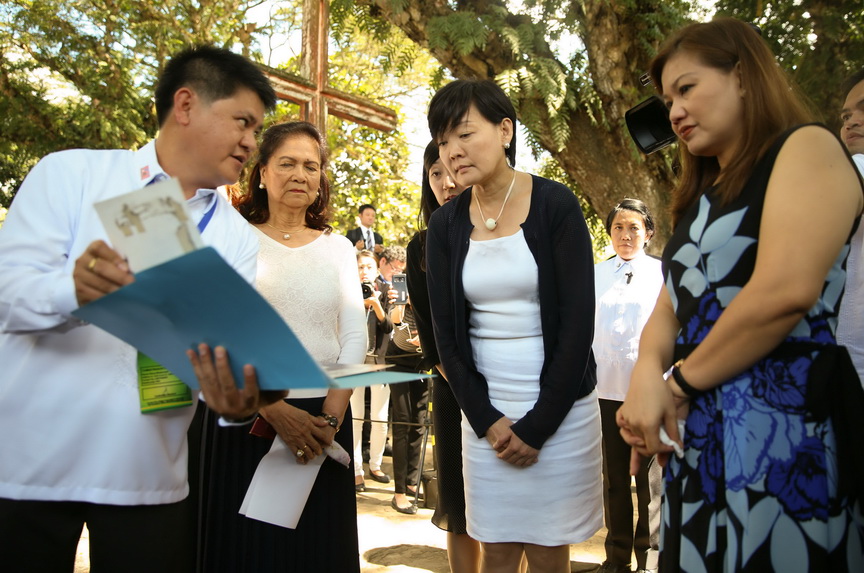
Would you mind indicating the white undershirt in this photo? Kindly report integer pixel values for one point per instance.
(850, 325)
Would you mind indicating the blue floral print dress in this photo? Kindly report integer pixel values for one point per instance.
(757, 488)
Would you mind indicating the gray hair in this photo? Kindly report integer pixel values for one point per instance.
(394, 253)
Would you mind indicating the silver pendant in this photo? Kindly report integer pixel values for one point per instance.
(286, 236)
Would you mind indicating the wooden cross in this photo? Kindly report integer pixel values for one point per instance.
(310, 90)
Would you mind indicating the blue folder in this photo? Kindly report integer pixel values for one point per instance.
(199, 298)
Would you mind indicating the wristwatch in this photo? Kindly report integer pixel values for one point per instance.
(332, 420)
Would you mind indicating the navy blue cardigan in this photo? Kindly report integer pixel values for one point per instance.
(558, 237)
(416, 278)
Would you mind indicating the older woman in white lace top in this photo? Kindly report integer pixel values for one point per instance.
(309, 275)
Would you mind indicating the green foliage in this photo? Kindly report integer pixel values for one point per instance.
(366, 167)
(571, 68)
(368, 56)
(461, 31)
(371, 59)
(369, 166)
(81, 74)
(818, 43)
(347, 20)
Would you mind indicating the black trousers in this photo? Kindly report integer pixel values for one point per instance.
(42, 536)
(408, 403)
(622, 540)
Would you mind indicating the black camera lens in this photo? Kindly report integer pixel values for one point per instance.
(368, 289)
(649, 125)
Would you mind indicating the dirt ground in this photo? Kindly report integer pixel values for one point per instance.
(391, 542)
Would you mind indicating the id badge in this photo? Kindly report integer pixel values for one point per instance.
(159, 389)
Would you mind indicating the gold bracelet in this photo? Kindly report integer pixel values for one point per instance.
(682, 382)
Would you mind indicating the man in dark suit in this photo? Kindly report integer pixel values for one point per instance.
(363, 237)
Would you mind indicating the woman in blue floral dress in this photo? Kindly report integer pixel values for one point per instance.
(754, 272)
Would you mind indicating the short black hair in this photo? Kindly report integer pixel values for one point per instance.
(365, 206)
(214, 73)
(636, 206)
(852, 81)
(450, 104)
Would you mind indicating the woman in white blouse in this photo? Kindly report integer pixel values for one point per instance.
(309, 275)
(626, 288)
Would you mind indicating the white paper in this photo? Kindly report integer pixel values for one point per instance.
(340, 370)
(664, 438)
(280, 487)
(150, 226)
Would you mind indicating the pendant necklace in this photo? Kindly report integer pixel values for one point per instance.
(490, 222)
(286, 234)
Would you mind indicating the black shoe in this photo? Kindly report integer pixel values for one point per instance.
(413, 494)
(607, 567)
(410, 510)
(359, 487)
(388, 449)
(383, 478)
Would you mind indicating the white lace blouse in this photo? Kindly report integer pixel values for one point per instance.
(316, 289)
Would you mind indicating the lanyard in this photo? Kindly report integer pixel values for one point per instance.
(202, 224)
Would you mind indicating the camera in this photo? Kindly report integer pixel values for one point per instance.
(368, 289)
(648, 122)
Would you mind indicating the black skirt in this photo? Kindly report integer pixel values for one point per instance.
(447, 425)
(326, 536)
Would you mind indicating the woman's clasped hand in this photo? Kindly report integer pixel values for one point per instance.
(660, 407)
(509, 446)
(300, 430)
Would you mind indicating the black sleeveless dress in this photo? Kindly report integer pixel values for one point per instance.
(757, 488)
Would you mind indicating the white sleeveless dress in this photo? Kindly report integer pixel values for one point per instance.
(558, 500)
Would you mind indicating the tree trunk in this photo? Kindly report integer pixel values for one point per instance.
(598, 153)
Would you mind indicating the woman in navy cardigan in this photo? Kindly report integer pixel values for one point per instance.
(510, 276)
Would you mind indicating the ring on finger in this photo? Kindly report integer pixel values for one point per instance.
(92, 264)
(300, 453)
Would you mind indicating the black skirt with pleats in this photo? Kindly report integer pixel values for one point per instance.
(326, 536)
